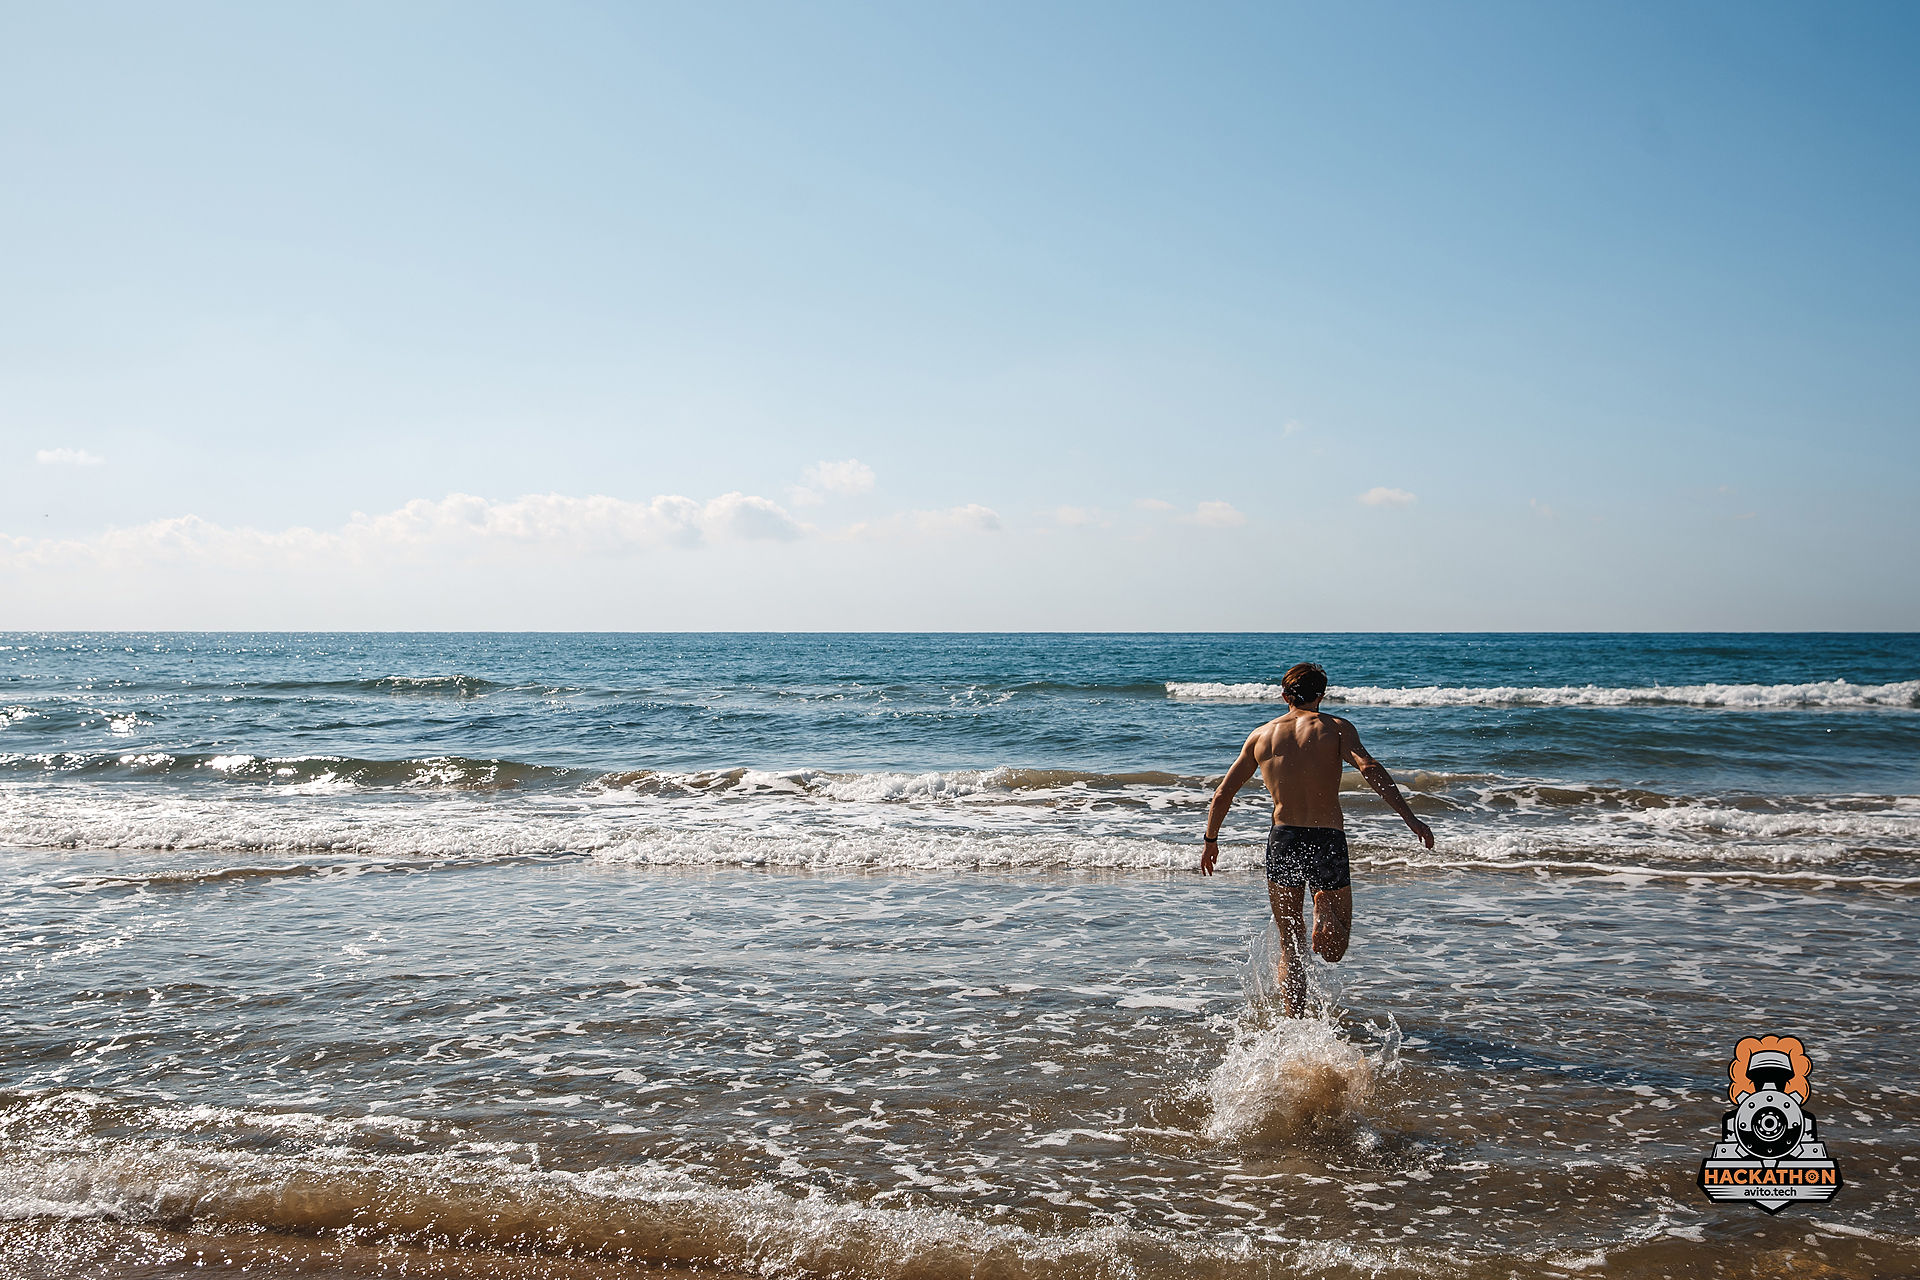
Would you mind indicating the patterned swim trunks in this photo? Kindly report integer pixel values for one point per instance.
(1311, 856)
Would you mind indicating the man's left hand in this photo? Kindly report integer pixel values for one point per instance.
(1209, 854)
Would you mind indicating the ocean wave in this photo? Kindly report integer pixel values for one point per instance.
(313, 773)
(118, 839)
(464, 834)
(1903, 694)
(1845, 814)
(457, 685)
(891, 785)
(465, 686)
(1010, 784)
(1130, 688)
(498, 1203)
(1897, 826)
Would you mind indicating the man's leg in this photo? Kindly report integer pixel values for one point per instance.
(1332, 922)
(1288, 901)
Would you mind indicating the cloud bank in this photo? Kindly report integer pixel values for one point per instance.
(463, 526)
(458, 523)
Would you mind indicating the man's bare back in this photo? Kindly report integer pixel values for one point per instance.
(1299, 756)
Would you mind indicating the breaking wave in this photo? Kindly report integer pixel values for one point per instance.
(1904, 694)
(313, 773)
(891, 786)
(463, 686)
(160, 839)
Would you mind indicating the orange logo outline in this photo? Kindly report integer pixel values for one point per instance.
(1797, 1088)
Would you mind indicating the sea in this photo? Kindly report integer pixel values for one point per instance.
(602, 955)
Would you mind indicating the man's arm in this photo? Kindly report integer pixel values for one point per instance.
(1381, 781)
(1243, 769)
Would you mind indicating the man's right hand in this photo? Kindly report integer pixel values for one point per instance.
(1421, 831)
(1210, 854)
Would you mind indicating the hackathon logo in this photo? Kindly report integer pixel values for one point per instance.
(1769, 1153)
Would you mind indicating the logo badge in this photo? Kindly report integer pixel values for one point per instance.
(1769, 1153)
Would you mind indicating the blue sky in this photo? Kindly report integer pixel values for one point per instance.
(1099, 316)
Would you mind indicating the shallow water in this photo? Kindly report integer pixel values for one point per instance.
(785, 956)
(894, 1074)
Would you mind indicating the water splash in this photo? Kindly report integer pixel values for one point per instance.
(1288, 1078)
(1299, 1077)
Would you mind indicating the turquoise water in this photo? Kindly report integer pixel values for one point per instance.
(810, 955)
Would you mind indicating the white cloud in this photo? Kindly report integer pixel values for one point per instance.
(846, 478)
(1213, 514)
(458, 523)
(946, 522)
(1380, 496)
(67, 458)
(971, 518)
(1076, 517)
(1292, 426)
(1217, 515)
(747, 518)
(593, 523)
(1541, 509)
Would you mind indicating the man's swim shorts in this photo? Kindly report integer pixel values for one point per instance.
(1311, 856)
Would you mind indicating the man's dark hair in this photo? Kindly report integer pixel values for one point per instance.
(1304, 684)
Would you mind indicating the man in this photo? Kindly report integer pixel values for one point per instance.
(1299, 757)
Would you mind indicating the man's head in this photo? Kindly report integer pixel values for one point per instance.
(1304, 684)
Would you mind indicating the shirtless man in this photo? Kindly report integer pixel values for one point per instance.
(1299, 757)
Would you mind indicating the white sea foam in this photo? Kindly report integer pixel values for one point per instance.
(1897, 826)
(1000, 819)
(905, 786)
(457, 828)
(1904, 694)
(1030, 785)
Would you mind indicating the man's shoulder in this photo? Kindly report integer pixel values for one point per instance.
(1263, 735)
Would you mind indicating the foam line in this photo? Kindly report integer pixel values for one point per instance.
(1903, 695)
